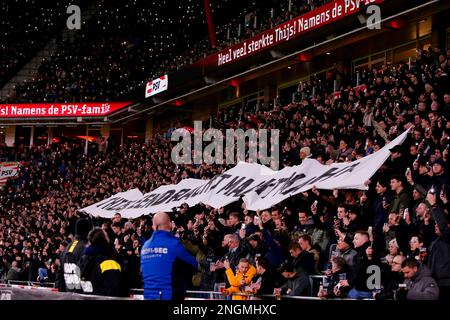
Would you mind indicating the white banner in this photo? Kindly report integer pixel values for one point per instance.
(259, 186)
(108, 207)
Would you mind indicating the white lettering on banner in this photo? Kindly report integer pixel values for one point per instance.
(60, 109)
(259, 186)
(328, 13)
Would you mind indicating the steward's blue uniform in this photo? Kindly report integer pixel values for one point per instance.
(163, 262)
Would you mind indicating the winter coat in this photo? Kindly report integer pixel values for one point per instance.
(235, 281)
(422, 286)
(439, 252)
(100, 273)
(299, 284)
(68, 277)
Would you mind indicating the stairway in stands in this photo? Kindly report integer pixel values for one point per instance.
(30, 69)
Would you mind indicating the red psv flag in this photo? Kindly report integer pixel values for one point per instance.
(156, 86)
(8, 170)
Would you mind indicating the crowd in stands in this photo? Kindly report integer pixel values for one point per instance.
(114, 53)
(400, 224)
(34, 23)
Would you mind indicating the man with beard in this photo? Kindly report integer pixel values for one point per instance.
(419, 283)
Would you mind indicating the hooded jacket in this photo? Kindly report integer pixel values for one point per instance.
(100, 273)
(439, 251)
(68, 276)
(235, 281)
(422, 286)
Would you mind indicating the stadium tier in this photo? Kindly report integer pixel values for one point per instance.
(125, 125)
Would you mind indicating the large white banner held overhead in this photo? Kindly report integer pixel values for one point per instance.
(259, 186)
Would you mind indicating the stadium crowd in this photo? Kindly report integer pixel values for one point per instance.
(114, 53)
(400, 224)
(44, 20)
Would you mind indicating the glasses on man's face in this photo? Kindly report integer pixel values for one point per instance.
(395, 262)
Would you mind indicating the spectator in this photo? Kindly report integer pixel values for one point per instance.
(401, 199)
(333, 288)
(344, 249)
(101, 274)
(243, 277)
(439, 252)
(297, 283)
(69, 273)
(14, 272)
(419, 283)
(392, 280)
(363, 258)
(265, 282)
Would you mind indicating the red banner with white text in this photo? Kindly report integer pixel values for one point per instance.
(54, 110)
(300, 25)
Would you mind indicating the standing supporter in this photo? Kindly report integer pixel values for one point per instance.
(69, 272)
(101, 274)
(163, 263)
(243, 277)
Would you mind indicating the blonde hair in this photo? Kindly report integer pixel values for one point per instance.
(394, 243)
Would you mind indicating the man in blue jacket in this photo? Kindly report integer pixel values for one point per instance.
(164, 261)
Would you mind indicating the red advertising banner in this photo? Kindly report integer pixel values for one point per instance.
(317, 18)
(54, 110)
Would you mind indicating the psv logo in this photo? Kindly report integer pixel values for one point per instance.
(156, 86)
(6, 173)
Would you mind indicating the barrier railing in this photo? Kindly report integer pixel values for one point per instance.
(31, 283)
(29, 290)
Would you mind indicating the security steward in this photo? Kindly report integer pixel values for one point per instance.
(165, 263)
(68, 276)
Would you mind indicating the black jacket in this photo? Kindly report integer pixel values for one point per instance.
(391, 282)
(439, 252)
(358, 279)
(100, 273)
(267, 283)
(70, 263)
(305, 261)
(299, 285)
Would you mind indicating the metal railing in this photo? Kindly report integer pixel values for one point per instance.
(30, 283)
